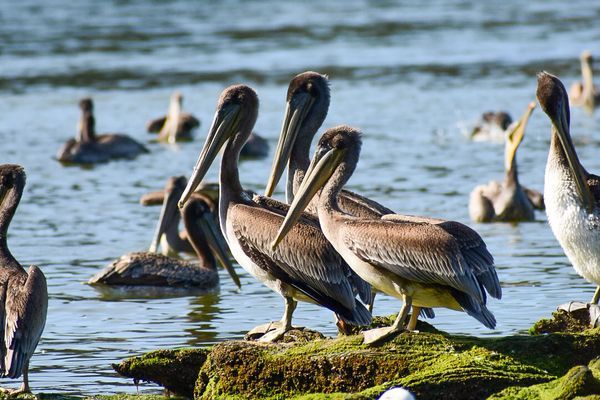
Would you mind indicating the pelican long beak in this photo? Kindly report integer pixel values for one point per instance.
(207, 224)
(167, 214)
(224, 125)
(562, 129)
(515, 137)
(319, 172)
(294, 116)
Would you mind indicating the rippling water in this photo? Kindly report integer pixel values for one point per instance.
(414, 77)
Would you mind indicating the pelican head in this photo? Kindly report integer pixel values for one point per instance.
(86, 104)
(199, 212)
(237, 110)
(554, 101)
(586, 56)
(515, 137)
(337, 153)
(307, 104)
(12, 183)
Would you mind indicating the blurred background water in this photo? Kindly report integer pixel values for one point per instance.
(414, 76)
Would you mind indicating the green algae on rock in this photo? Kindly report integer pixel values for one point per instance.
(431, 364)
(580, 380)
(175, 370)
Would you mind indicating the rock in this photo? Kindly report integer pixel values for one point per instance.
(430, 364)
(175, 370)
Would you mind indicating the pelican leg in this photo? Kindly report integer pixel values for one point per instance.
(372, 301)
(24, 388)
(412, 323)
(596, 296)
(284, 325)
(375, 336)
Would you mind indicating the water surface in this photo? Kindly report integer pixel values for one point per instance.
(414, 77)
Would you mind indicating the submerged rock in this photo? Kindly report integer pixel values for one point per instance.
(431, 364)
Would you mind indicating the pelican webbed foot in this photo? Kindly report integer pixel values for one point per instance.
(14, 392)
(274, 335)
(261, 330)
(380, 335)
(577, 307)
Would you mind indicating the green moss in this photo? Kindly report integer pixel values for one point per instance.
(564, 322)
(578, 381)
(430, 363)
(175, 370)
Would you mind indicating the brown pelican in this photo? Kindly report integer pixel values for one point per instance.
(176, 125)
(256, 147)
(492, 126)
(585, 93)
(305, 267)
(572, 194)
(89, 148)
(307, 104)
(424, 261)
(24, 296)
(153, 269)
(507, 200)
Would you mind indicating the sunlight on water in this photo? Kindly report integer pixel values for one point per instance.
(414, 78)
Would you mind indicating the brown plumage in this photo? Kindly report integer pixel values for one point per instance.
(152, 269)
(176, 125)
(23, 294)
(90, 148)
(305, 267)
(426, 262)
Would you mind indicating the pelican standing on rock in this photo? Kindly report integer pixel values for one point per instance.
(425, 262)
(176, 125)
(572, 194)
(153, 269)
(585, 93)
(24, 295)
(507, 201)
(89, 148)
(305, 267)
(307, 104)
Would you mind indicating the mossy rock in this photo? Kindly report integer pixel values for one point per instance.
(430, 363)
(581, 382)
(175, 370)
(562, 321)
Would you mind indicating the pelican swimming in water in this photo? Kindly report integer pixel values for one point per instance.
(153, 269)
(305, 267)
(508, 200)
(174, 242)
(572, 194)
(307, 104)
(424, 261)
(492, 126)
(176, 125)
(585, 93)
(89, 148)
(24, 295)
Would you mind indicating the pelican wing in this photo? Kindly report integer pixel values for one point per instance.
(304, 259)
(26, 307)
(282, 208)
(471, 245)
(188, 122)
(155, 125)
(360, 206)
(416, 251)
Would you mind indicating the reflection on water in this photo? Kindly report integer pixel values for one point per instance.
(413, 77)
